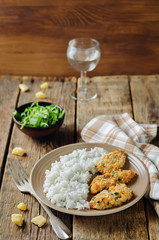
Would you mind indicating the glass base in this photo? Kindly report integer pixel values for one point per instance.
(83, 95)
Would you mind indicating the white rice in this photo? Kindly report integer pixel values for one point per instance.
(66, 184)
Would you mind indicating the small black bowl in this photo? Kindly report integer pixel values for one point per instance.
(38, 132)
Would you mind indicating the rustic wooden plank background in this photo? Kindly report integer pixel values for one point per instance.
(35, 149)
(117, 94)
(145, 99)
(8, 98)
(113, 98)
(34, 35)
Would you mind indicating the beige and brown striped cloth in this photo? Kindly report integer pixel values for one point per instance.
(123, 132)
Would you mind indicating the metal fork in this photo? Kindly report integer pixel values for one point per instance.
(22, 182)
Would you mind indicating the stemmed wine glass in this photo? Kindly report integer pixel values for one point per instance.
(83, 54)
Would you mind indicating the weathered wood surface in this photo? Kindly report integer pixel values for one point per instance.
(145, 98)
(34, 35)
(8, 99)
(130, 225)
(116, 94)
(58, 92)
(114, 98)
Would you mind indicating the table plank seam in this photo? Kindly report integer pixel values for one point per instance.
(130, 91)
(8, 144)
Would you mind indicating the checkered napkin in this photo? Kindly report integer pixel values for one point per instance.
(123, 132)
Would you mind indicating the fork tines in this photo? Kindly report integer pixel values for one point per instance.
(17, 171)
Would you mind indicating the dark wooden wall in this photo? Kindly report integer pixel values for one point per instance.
(34, 35)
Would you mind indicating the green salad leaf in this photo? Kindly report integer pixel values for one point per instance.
(39, 116)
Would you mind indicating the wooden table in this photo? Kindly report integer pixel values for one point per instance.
(137, 95)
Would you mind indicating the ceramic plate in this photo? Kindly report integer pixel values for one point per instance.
(139, 185)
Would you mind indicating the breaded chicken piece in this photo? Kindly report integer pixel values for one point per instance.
(123, 176)
(113, 197)
(101, 182)
(111, 161)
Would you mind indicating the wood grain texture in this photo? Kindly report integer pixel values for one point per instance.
(117, 94)
(35, 149)
(34, 35)
(153, 222)
(114, 98)
(8, 98)
(116, 226)
(145, 98)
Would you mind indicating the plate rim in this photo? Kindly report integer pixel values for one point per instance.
(102, 212)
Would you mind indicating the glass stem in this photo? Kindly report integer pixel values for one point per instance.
(83, 81)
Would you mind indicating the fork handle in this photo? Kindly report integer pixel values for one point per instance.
(61, 230)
